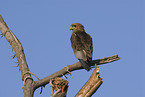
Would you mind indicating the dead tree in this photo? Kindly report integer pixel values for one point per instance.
(58, 84)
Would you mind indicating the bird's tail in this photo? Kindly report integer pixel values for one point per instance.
(85, 64)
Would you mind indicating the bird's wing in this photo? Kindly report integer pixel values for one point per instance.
(89, 46)
(82, 45)
(86, 40)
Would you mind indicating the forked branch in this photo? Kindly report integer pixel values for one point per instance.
(30, 86)
(19, 53)
(73, 67)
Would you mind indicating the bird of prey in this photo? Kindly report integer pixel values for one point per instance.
(81, 43)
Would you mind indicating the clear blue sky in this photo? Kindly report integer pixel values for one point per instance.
(116, 26)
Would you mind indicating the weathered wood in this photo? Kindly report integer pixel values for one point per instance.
(73, 67)
(19, 53)
(30, 86)
(91, 85)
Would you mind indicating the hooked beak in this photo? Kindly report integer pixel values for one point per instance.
(71, 28)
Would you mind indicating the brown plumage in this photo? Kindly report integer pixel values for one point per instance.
(81, 43)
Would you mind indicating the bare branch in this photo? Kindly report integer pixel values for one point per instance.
(76, 66)
(91, 85)
(29, 85)
(19, 52)
(105, 60)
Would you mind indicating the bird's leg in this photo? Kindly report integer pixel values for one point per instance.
(69, 71)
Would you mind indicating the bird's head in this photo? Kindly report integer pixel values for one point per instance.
(77, 27)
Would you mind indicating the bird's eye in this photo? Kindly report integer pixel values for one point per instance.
(73, 25)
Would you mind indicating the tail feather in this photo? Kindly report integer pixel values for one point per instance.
(85, 64)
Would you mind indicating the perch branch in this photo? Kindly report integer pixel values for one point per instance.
(30, 85)
(91, 85)
(19, 52)
(73, 67)
(105, 60)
